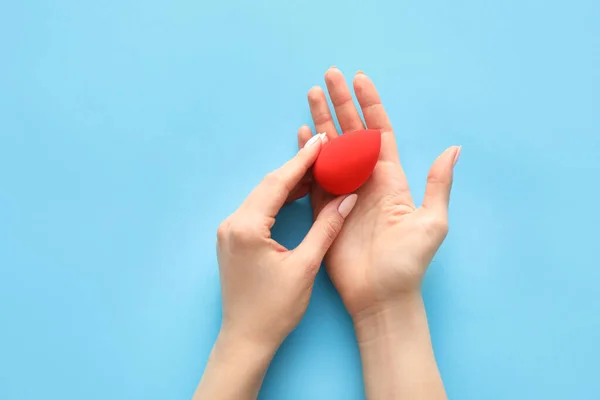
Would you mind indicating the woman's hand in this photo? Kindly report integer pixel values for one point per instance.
(378, 260)
(265, 287)
(387, 242)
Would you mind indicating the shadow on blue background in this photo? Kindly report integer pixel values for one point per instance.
(130, 130)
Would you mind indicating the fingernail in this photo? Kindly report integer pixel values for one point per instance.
(347, 205)
(456, 155)
(319, 136)
(313, 140)
(333, 67)
(359, 72)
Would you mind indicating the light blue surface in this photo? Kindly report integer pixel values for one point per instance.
(129, 130)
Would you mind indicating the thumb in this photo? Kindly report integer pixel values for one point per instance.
(327, 226)
(439, 181)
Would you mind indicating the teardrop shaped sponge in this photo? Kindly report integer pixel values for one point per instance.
(346, 162)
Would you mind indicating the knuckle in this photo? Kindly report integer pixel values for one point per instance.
(223, 231)
(275, 180)
(242, 232)
(434, 177)
(272, 178)
(309, 264)
(437, 177)
(321, 118)
(331, 228)
(303, 162)
(372, 106)
(342, 100)
(438, 225)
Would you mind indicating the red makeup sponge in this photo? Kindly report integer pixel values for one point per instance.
(347, 161)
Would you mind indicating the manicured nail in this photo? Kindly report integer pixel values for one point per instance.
(313, 140)
(320, 136)
(456, 155)
(347, 205)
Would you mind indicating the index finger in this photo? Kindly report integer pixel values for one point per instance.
(270, 195)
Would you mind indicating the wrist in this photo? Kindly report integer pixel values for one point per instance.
(234, 359)
(234, 347)
(390, 318)
(396, 350)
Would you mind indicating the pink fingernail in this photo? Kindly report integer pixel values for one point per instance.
(456, 156)
(347, 205)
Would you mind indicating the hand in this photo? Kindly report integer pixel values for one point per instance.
(265, 287)
(387, 243)
(378, 260)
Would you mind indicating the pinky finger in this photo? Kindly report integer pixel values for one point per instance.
(304, 135)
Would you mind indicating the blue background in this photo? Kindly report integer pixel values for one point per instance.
(129, 130)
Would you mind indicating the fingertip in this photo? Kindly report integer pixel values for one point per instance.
(311, 149)
(360, 86)
(347, 205)
(449, 156)
(314, 93)
(304, 132)
(361, 77)
(361, 82)
(439, 180)
(456, 155)
(334, 79)
(442, 166)
(304, 135)
(313, 142)
(331, 72)
(328, 224)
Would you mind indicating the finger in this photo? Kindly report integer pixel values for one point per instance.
(439, 181)
(304, 135)
(375, 116)
(321, 115)
(303, 188)
(325, 229)
(340, 95)
(270, 195)
(318, 196)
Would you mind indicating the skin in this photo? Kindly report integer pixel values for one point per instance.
(265, 287)
(376, 257)
(379, 259)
